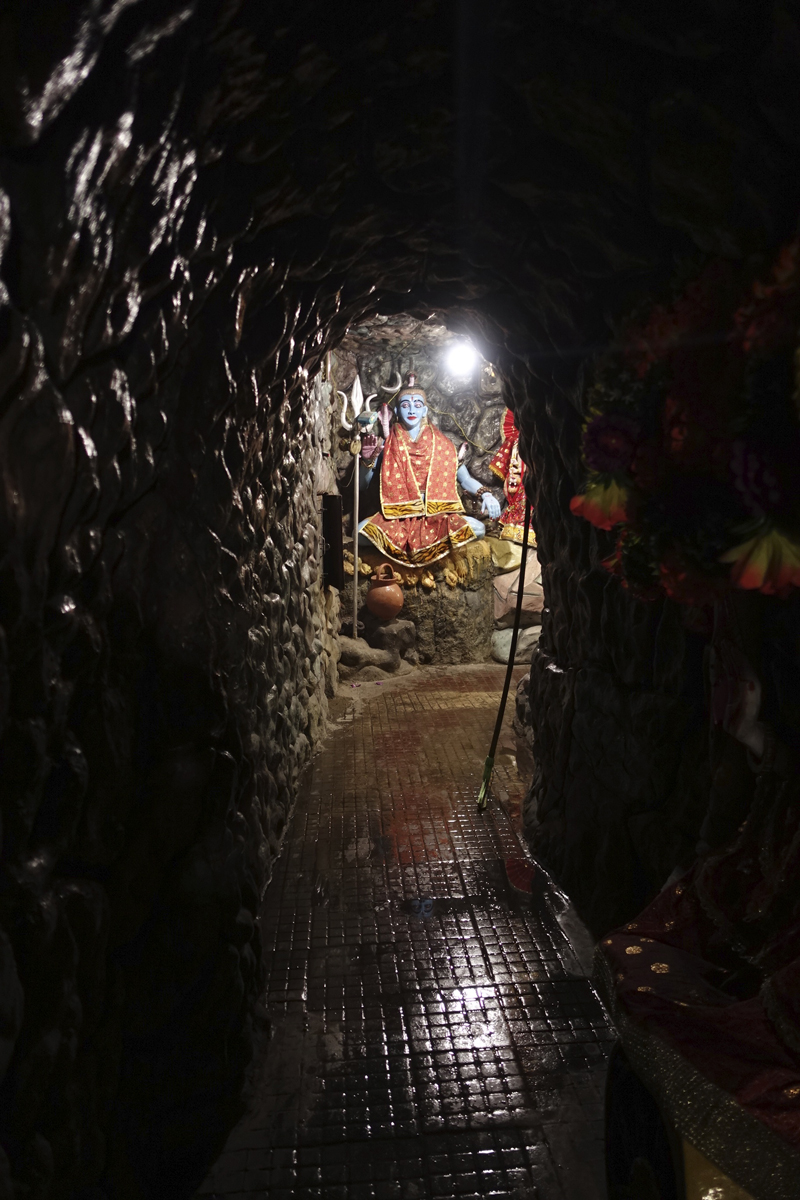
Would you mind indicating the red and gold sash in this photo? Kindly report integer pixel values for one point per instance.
(509, 467)
(507, 464)
(418, 479)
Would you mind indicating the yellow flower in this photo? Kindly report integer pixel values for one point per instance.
(769, 562)
(604, 504)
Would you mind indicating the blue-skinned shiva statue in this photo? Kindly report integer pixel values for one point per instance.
(422, 518)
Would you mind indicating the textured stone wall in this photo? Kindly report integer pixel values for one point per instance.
(197, 200)
(621, 777)
(167, 651)
(168, 655)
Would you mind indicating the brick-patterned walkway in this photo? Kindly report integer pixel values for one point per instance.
(433, 1032)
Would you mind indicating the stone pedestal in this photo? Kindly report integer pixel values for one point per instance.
(450, 603)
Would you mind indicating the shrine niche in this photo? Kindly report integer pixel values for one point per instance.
(437, 497)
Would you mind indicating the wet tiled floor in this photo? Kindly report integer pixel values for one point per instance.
(434, 1034)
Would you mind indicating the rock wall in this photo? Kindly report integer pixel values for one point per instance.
(167, 649)
(621, 777)
(198, 200)
(168, 658)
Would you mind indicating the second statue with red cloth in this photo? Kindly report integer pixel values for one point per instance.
(509, 467)
(422, 518)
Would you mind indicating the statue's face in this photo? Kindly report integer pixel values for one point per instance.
(411, 410)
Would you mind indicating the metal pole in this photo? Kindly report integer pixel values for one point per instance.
(356, 464)
(488, 766)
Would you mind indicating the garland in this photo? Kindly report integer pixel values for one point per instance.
(692, 440)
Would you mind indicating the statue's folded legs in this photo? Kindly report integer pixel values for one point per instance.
(364, 543)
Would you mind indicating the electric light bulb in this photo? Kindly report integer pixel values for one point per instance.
(462, 359)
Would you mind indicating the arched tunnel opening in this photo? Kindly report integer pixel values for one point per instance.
(234, 887)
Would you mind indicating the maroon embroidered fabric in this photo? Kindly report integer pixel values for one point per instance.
(667, 977)
(712, 965)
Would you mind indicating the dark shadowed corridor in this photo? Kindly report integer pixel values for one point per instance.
(308, 312)
(434, 1034)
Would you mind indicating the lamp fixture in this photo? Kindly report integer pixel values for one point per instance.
(461, 359)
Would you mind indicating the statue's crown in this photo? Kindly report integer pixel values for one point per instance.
(410, 385)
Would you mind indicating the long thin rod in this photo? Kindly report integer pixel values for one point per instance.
(488, 766)
(356, 461)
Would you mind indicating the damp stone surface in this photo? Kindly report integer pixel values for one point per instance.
(434, 1032)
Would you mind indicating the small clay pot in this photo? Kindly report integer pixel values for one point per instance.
(385, 596)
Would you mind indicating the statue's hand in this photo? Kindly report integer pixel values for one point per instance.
(490, 505)
(370, 444)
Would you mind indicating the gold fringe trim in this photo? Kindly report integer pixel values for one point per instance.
(466, 534)
(407, 508)
(706, 1116)
(417, 558)
(516, 533)
(437, 507)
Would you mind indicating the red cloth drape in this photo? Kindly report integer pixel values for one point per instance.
(509, 467)
(421, 517)
(711, 967)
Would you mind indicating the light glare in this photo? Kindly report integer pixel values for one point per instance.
(462, 358)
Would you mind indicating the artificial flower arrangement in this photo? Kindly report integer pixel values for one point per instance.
(692, 442)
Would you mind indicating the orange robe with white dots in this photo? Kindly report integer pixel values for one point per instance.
(421, 517)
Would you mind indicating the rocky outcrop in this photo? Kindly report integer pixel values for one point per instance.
(506, 589)
(527, 640)
(449, 605)
(364, 662)
(196, 201)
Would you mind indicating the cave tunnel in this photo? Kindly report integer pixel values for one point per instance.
(257, 937)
